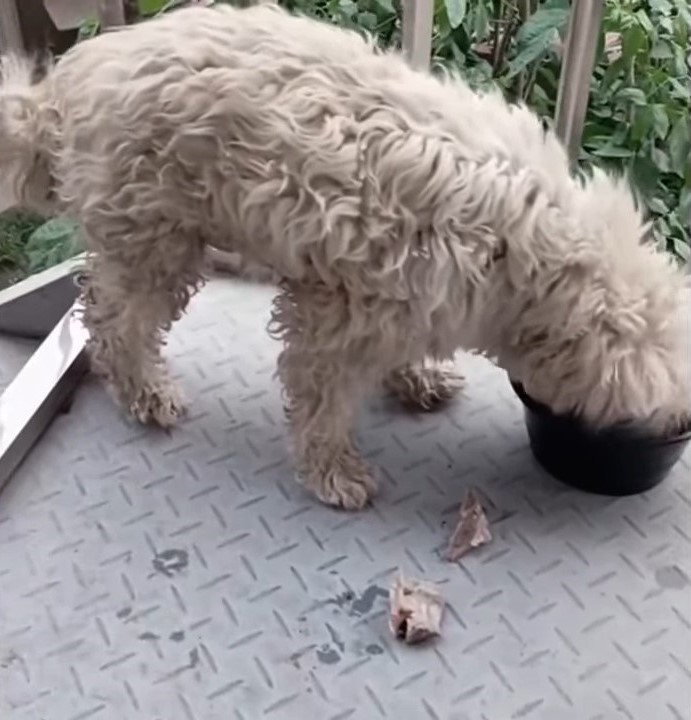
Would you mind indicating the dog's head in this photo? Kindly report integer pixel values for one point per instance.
(19, 128)
(608, 333)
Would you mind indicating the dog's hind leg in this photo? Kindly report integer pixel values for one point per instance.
(427, 385)
(322, 387)
(132, 293)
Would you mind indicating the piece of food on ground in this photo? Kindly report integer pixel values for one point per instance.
(416, 610)
(472, 529)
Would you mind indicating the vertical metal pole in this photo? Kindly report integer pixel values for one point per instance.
(576, 72)
(111, 13)
(418, 16)
(10, 30)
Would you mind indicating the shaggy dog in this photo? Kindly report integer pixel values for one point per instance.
(407, 215)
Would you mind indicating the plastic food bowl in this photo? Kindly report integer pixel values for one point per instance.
(615, 461)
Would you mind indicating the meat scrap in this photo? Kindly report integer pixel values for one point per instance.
(416, 610)
(472, 529)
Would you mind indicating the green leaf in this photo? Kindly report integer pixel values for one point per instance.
(657, 205)
(612, 151)
(684, 13)
(661, 159)
(150, 7)
(386, 6)
(681, 249)
(645, 22)
(542, 22)
(633, 40)
(88, 28)
(481, 23)
(662, 6)
(531, 53)
(367, 20)
(666, 24)
(642, 122)
(441, 20)
(680, 145)
(348, 8)
(536, 36)
(680, 62)
(51, 243)
(661, 50)
(679, 90)
(612, 75)
(645, 174)
(685, 202)
(455, 10)
(634, 95)
(660, 121)
(458, 55)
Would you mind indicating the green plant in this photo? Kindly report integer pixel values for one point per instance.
(29, 244)
(51, 243)
(88, 28)
(638, 118)
(15, 230)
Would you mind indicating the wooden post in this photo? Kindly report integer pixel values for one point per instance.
(11, 39)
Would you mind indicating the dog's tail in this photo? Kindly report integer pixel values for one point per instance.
(20, 126)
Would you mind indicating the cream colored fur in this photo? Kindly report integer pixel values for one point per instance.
(408, 217)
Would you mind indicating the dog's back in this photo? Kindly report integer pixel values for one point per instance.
(258, 123)
(260, 129)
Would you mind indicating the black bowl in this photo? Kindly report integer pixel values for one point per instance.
(615, 461)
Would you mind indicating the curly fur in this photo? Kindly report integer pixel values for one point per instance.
(407, 215)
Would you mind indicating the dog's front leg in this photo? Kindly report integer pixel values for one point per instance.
(322, 390)
(130, 299)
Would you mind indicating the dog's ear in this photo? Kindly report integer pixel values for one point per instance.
(14, 114)
(15, 104)
(19, 130)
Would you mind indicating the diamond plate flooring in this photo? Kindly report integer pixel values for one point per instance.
(186, 577)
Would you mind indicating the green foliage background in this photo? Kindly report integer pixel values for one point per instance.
(639, 115)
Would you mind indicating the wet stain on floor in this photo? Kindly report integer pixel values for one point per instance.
(327, 655)
(171, 562)
(363, 604)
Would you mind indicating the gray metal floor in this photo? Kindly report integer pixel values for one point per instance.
(186, 577)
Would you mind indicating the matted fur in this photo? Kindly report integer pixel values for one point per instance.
(407, 215)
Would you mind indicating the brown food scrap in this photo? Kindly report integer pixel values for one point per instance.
(472, 529)
(416, 610)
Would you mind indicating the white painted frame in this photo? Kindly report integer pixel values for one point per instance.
(40, 389)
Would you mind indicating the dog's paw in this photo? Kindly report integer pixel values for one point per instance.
(347, 483)
(158, 405)
(425, 388)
